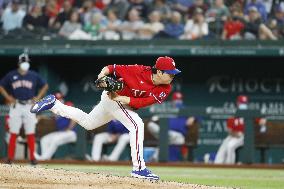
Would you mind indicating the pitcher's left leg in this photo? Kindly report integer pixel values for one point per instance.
(135, 125)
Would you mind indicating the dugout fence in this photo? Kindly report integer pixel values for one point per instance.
(273, 137)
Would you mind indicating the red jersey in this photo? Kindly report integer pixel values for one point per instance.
(236, 124)
(233, 28)
(138, 85)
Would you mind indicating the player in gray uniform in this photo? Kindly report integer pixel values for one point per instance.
(21, 88)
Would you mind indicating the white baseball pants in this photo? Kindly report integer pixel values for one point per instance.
(175, 138)
(104, 138)
(50, 142)
(103, 113)
(20, 115)
(227, 152)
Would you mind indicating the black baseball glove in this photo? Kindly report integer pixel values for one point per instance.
(109, 84)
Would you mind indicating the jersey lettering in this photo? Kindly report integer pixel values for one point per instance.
(138, 93)
(239, 121)
(22, 83)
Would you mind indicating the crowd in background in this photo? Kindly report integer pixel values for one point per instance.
(142, 19)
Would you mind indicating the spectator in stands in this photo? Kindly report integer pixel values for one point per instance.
(51, 9)
(227, 151)
(217, 15)
(219, 11)
(70, 25)
(276, 22)
(129, 28)
(13, 16)
(272, 25)
(87, 11)
(116, 132)
(259, 6)
(255, 29)
(95, 27)
(63, 16)
(141, 6)
(110, 32)
(35, 21)
(163, 8)
(153, 27)
(268, 4)
(181, 6)
(197, 27)
(174, 29)
(279, 14)
(101, 4)
(234, 25)
(239, 3)
(120, 7)
(198, 4)
(1, 7)
(178, 126)
(65, 133)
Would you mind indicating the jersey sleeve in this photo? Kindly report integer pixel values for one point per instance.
(158, 95)
(120, 70)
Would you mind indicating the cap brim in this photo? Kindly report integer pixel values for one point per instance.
(174, 72)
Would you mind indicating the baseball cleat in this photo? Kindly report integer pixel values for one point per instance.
(8, 161)
(145, 174)
(44, 104)
(33, 162)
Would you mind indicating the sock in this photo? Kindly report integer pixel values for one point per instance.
(12, 146)
(31, 144)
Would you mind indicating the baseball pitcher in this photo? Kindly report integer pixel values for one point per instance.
(136, 86)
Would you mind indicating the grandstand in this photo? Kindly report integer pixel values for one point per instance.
(224, 48)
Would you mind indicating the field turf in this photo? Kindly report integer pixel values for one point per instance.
(227, 177)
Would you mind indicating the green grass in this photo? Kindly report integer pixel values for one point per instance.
(240, 178)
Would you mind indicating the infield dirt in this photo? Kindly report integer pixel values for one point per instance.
(18, 176)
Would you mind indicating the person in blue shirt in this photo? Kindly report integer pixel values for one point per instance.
(174, 29)
(65, 133)
(22, 87)
(116, 132)
(178, 126)
(259, 6)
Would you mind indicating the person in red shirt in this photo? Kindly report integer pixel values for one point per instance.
(227, 152)
(143, 86)
(234, 25)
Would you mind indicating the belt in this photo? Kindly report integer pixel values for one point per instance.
(24, 102)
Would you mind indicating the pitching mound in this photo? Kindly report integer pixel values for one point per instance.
(17, 176)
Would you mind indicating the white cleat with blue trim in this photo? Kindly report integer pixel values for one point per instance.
(144, 174)
(45, 103)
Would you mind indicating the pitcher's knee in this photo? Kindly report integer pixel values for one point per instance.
(86, 123)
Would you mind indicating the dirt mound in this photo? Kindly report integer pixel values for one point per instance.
(17, 176)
